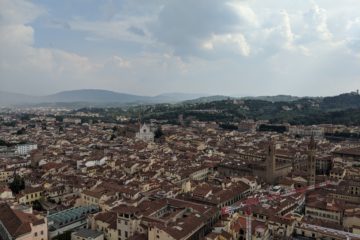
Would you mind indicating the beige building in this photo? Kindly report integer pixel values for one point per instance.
(352, 220)
(6, 174)
(5, 193)
(324, 210)
(319, 232)
(30, 195)
(15, 224)
(106, 222)
(127, 222)
(269, 167)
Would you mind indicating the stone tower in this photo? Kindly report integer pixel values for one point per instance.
(270, 163)
(311, 162)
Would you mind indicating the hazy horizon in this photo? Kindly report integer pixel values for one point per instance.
(232, 48)
(170, 93)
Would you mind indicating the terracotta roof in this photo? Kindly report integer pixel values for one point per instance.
(107, 217)
(16, 222)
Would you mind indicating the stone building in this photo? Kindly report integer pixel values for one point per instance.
(145, 133)
(311, 162)
(269, 168)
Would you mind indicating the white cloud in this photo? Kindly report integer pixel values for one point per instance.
(19, 12)
(234, 41)
(316, 23)
(246, 13)
(33, 67)
(202, 45)
(121, 62)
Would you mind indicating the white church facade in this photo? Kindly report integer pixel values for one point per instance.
(145, 133)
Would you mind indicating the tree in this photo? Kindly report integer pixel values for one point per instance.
(59, 118)
(37, 206)
(158, 133)
(25, 117)
(17, 184)
(21, 131)
(112, 137)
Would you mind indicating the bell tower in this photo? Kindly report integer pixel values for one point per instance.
(311, 162)
(270, 162)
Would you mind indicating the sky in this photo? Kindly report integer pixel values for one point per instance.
(229, 47)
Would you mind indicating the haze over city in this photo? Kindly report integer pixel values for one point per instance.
(145, 47)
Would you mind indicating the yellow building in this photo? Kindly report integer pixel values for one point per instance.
(30, 195)
(89, 197)
(5, 175)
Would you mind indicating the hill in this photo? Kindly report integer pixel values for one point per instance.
(207, 99)
(90, 97)
(342, 109)
(342, 101)
(93, 96)
(277, 98)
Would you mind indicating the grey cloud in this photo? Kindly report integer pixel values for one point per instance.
(354, 45)
(182, 25)
(136, 31)
(60, 24)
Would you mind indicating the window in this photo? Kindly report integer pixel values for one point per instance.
(42, 232)
(35, 234)
(126, 234)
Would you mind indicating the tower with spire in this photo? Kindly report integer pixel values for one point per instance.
(311, 162)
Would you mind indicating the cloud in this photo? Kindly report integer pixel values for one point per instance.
(184, 25)
(244, 12)
(353, 36)
(121, 30)
(316, 27)
(232, 41)
(120, 62)
(19, 12)
(59, 24)
(23, 63)
(137, 31)
(245, 47)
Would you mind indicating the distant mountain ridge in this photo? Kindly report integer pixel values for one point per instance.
(92, 96)
(101, 98)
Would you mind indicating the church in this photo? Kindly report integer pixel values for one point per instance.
(145, 133)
